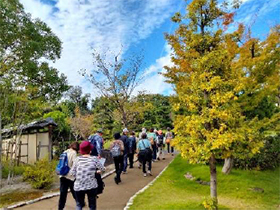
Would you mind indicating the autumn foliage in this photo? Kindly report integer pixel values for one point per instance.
(219, 77)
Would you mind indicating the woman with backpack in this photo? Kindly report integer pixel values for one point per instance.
(160, 143)
(145, 154)
(84, 169)
(117, 149)
(67, 181)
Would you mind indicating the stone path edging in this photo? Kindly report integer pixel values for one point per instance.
(130, 201)
(23, 203)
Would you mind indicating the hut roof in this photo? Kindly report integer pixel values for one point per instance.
(39, 124)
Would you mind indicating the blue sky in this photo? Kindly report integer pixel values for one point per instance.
(133, 25)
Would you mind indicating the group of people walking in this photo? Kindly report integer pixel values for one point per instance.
(85, 169)
(149, 147)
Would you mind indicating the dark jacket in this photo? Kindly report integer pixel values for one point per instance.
(124, 139)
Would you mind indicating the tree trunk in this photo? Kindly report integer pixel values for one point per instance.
(0, 150)
(228, 165)
(213, 180)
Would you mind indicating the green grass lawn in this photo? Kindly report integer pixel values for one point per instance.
(173, 191)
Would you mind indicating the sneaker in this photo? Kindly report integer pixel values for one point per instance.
(144, 174)
(150, 173)
(124, 172)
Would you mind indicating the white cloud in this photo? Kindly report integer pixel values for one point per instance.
(83, 25)
(155, 82)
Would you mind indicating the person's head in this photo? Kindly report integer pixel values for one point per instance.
(85, 147)
(132, 133)
(168, 129)
(151, 130)
(74, 146)
(144, 136)
(160, 132)
(117, 136)
(99, 132)
(143, 130)
(125, 131)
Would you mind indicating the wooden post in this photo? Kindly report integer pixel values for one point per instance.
(50, 142)
(19, 153)
(8, 151)
(27, 146)
(38, 151)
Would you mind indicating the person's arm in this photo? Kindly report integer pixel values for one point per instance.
(98, 147)
(121, 145)
(73, 170)
(111, 145)
(71, 158)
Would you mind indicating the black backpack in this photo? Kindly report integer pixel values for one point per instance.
(160, 139)
(101, 184)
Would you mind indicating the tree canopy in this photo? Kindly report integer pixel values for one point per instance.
(220, 76)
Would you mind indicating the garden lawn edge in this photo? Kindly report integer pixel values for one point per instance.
(131, 199)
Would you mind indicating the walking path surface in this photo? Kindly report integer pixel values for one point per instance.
(114, 196)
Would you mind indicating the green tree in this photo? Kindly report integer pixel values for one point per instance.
(217, 76)
(27, 82)
(61, 132)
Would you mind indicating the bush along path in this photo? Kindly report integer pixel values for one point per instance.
(114, 196)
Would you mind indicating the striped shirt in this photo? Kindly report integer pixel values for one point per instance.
(83, 170)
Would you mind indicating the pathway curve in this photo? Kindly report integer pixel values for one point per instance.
(114, 196)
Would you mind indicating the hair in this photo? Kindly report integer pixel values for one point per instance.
(144, 136)
(132, 133)
(151, 130)
(75, 146)
(117, 136)
(168, 128)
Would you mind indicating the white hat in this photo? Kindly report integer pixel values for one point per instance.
(125, 130)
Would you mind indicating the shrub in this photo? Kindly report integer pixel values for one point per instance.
(17, 170)
(268, 158)
(41, 174)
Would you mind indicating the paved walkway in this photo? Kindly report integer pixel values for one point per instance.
(114, 196)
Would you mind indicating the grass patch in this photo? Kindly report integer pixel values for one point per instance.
(173, 191)
(17, 196)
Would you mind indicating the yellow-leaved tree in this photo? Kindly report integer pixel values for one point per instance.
(219, 76)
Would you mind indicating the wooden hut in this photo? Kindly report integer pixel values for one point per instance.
(29, 143)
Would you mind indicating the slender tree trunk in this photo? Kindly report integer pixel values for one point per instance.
(0, 150)
(228, 165)
(213, 180)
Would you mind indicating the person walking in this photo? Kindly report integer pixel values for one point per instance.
(124, 139)
(144, 150)
(152, 137)
(67, 181)
(84, 169)
(97, 141)
(143, 131)
(161, 145)
(168, 140)
(117, 149)
(131, 148)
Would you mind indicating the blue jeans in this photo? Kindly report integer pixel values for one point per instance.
(124, 162)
